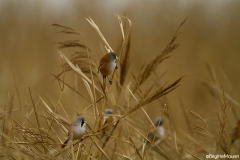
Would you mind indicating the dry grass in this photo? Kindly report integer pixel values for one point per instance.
(222, 139)
(39, 134)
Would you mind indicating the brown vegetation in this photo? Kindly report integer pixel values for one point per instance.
(34, 123)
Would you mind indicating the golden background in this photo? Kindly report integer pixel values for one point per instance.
(210, 35)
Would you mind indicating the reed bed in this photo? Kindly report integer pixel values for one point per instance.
(39, 134)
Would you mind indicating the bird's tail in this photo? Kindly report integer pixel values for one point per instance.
(104, 82)
(65, 143)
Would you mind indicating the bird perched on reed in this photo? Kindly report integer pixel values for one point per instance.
(76, 130)
(108, 121)
(107, 65)
(159, 132)
(155, 135)
(236, 132)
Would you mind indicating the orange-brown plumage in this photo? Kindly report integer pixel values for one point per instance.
(106, 126)
(107, 122)
(107, 65)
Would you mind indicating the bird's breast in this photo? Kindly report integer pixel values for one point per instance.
(108, 68)
(78, 132)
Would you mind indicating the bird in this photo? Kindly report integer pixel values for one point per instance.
(236, 132)
(156, 134)
(159, 132)
(107, 65)
(108, 121)
(76, 130)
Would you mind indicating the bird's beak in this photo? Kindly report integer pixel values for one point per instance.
(116, 58)
(85, 122)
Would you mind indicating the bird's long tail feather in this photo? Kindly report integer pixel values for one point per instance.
(65, 143)
(104, 83)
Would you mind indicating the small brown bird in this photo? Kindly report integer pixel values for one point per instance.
(76, 130)
(236, 132)
(108, 121)
(107, 65)
(159, 132)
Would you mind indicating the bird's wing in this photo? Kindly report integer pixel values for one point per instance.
(108, 121)
(100, 67)
(70, 133)
(104, 121)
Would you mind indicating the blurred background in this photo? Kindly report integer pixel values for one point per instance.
(211, 35)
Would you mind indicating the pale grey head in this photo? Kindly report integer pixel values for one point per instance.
(80, 121)
(112, 56)
(158, 121)
(108, 111)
